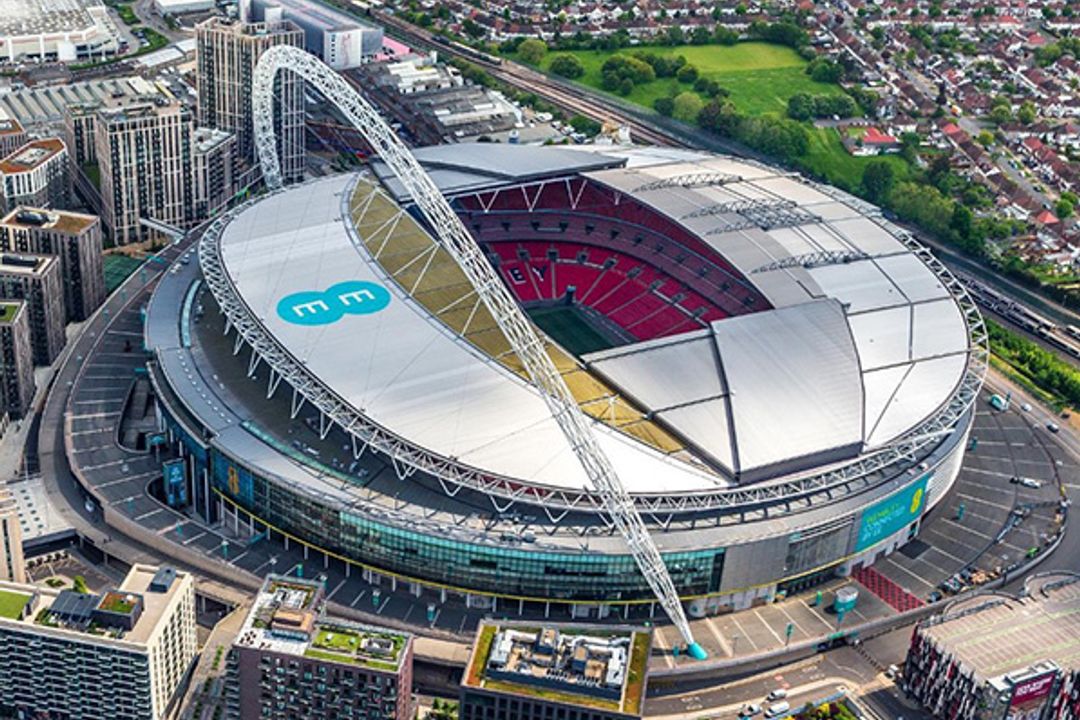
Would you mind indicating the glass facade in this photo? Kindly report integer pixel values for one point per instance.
(515, 571)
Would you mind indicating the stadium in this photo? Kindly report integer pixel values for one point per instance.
(781, 378)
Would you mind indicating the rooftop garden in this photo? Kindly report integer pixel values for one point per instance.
(7, 311)
(12, 604)
(118, 603)
(634, 689)
(339, 643)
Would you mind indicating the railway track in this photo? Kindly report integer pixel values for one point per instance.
(576, 100)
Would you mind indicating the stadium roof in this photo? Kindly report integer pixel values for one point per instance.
(865, 342)
(404, 369)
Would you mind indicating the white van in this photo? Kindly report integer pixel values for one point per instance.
(777, 709)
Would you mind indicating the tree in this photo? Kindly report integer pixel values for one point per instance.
(1001, 114)
(473, 29)
(721, 117)
(626, 86)
(675, 36)
(664, 105)
(78, 584)
(824, 70)
(1027, 113)
(687, 74)
(700, 36)
(877, 179)
(686, 107)
(985, 138)
(1063, 208)
(532, 50)
(800, 106)
(961, 221)
(567, 66)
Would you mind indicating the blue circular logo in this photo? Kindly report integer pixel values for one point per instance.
(352, 297)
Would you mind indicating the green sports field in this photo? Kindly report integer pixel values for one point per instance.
(569, 327)
(760, 76)
(117, 269)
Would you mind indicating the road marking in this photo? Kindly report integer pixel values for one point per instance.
(791, 619)
(88, 416)
(155, 511)
(658, 641)
(767, 626)
(357, 598)
(194, 538)
(336, 588)
(719, 637)
(743, 633)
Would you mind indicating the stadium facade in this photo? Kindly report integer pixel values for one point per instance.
(782, 379)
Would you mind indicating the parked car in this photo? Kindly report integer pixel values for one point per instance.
(777, 694)
(1030, 483)
(750, 710)
(777, 709)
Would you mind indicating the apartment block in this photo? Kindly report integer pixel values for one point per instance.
(213, 164)
(121, 655)
(290, 660)
(37, 174)
(226, 55)
(16, 360)
(75, 239)
(12, 136)
(12, 564)
(36, 280)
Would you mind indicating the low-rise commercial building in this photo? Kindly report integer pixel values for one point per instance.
(75, 239)
(36, 280)
(999, 657)
(37, 174)
(519, 671)
(123, 654)
(291, 660)
(56, 31)
(337, 38)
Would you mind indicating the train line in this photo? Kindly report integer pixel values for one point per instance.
(577, 100)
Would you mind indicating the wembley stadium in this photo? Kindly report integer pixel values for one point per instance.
(781, 378)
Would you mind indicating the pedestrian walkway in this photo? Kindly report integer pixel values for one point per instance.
(895, 596)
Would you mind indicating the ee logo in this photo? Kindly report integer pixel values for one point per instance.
(916, 501)
(352, 297)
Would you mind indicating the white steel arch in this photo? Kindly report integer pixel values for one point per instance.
(453, 236)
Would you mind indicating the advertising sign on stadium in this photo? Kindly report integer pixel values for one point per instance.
(892, 514)
(1030, 695)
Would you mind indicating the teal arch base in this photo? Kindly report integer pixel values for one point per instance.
(696, 651)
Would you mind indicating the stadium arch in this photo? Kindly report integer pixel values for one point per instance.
(451, 233)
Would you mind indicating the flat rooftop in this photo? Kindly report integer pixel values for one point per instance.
(600, 667)
(63, 221)
(27, 17)
(31, 155)
(994, 635)
(137, 583)
(287, 617)
(24, 263)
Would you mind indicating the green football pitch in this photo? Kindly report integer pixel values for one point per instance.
(569, 327)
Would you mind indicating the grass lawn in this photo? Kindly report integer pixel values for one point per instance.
(117, 269)
(828, 159)
(12, 604)
(760, 76)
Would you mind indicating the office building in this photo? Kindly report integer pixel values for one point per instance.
(12, 135)
(123, 654)
(36, 280)
(226, 55)
(144, 155)
(998, 657)
(519, 671)
(290, 660)
(75, 239)
(12, 564)
(16, 360)
(37, 174)
(336, 37)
